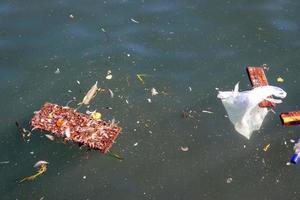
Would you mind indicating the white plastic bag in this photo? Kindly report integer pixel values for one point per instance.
(243, 109)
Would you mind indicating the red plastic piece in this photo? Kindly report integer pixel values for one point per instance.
(290, 118)
(258, 78)
(73, 126)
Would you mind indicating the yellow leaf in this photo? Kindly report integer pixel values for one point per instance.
(96, 115)
(139, 76)
(267, 147)
(280, 79)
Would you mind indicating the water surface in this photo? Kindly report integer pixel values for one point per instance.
(186, 49)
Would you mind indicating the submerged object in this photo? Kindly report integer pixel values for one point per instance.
(258, 78)
(290, 118)
(296, 156)
(243, 109)
(77, 127)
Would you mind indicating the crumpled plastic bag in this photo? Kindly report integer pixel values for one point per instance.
(243, 109)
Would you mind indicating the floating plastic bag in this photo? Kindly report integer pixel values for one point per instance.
(243, 109)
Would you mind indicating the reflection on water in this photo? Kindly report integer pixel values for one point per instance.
(186, 49)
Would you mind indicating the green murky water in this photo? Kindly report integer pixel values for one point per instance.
(186, 49)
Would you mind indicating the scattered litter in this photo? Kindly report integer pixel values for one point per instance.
(135, 144)
(296, 156)
(207, 111)
(4, 162)
(133, 20)
(139, 77)
(50, 137)
(229, 180)
(84, 177)
(103, 30)
(25, 134)
(71, 16)
(154, 92)
(69, 91)
(39, 163)
(96, 115)
(42, 168)
(184, 148)
(57, 71)
(126, 101)
(292, 141)
(280, 79)
(31, 152)
(149, 100)
(243, 109)
(128, 54)
(186, 115)
(258, 78)
(190, 89)
(76, 127)
(265, 67)
(90, 94)
(217, 89)
(111, 93)
(108, 75)
(290, 118)
(78, 82)
(288, 163)
(266, 147)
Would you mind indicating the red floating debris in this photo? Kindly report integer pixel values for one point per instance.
(290, 118)
(73, 126)
(258, 78)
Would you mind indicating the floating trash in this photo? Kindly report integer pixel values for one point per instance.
(290, 118)
(184, 148)
(57, 71)
(42, 168)
(154, 92)
(258, 78)
(207, 111)
(108, 75)
(135, 21)
(139, 77)
(280, 79)
(90, 94)
(266, 147)
(243, 109)
(111, 93)
(39, 163)
(50, 137)
(229, 180)
(296, 156)
(76, 127)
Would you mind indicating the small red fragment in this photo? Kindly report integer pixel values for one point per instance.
(290, 118)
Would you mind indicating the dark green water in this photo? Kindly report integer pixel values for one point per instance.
(177, 44)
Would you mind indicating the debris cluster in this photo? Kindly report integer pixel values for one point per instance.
(77, 127)
(246, 110)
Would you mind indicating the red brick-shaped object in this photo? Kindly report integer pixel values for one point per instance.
(77, 127)
(258, 78)
(290, 118)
